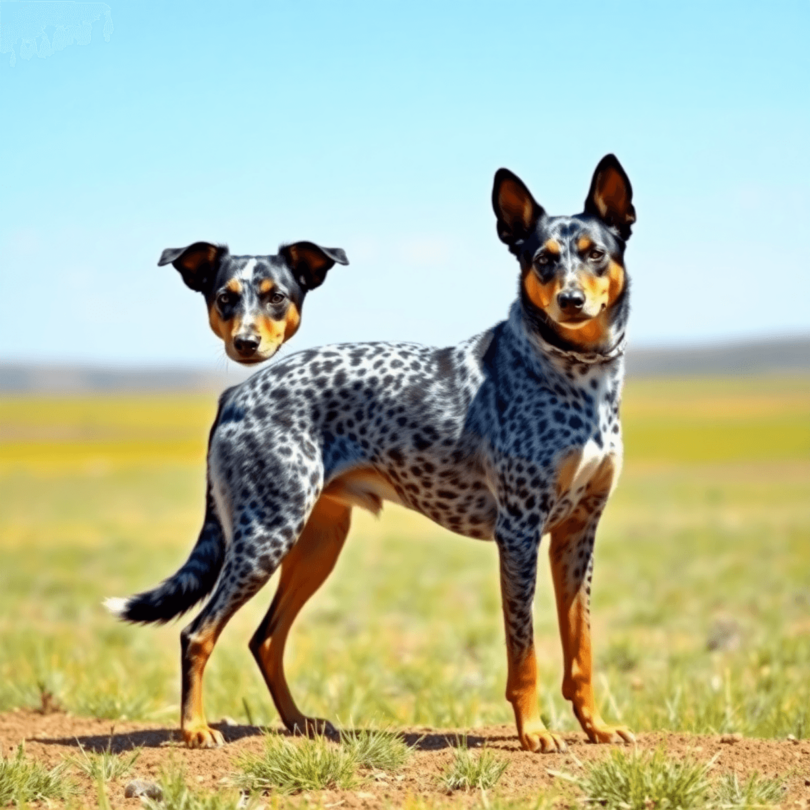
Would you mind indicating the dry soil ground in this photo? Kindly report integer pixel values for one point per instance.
(51, 737)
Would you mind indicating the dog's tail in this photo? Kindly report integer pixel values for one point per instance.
(193, 581)
(180, 592)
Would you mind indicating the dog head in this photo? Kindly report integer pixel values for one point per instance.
(254, 302)
(573, 279)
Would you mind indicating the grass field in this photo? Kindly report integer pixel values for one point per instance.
(701, 598)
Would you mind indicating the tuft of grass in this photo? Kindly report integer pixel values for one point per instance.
(380, 749)
(639, 781)
(289, 766)
(177, 795)
(23, 780)
(473, 770)
(104, 766)
(756, 791)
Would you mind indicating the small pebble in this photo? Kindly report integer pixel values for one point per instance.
(228, 721)
(731, 738)
(140, 788)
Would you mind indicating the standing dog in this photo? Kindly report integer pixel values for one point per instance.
(254, 302)
(508, 436)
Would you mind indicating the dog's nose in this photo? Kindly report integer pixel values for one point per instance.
(246, 346)
(571, 300)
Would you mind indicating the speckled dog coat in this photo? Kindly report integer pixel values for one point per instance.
(508, 436)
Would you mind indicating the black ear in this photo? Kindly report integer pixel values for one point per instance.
(310, 262)
(611, 197)
(516, 209)
(197, 263)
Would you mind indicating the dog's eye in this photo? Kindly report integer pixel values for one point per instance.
(224, 299)
(596, 255)
(543, 260)
(277, 298)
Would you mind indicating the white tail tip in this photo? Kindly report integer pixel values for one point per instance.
(116, 605)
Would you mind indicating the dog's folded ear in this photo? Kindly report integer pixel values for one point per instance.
(611, 197)
(197, 263)
(516, 209)
(310, 262)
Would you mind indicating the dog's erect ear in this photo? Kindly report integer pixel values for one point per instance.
(310, 262)
(611, 197)
(197, 263)
(516, 209)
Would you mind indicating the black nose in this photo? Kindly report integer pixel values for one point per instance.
(571, 300)
(246, 346)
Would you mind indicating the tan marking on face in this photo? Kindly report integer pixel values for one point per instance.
(266, 286)
(541, 295)
(292, 321)
(271, 332)
(616, 277)
(224, 329)
(552, 246)
(219, 326)
(234, 286)
(584, 243)
(601, 293)
(595, 289)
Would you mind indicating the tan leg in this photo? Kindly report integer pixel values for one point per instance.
(240, 579)
(518, 574)
(571, 565)
(196, 652)
(303, 571)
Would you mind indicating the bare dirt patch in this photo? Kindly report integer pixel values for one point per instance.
(49, 738)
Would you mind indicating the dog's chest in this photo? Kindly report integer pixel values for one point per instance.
(587, 466)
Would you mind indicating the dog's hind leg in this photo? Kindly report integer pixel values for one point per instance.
(304, 570)
(571, 555)
(249, 563)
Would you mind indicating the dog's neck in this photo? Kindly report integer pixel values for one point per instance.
(540, 341)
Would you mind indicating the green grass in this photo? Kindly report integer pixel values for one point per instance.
(473, 770)
(377, 749)
(104, 765)
(711, 520)
(292, 766)
(23, 780)
(177, 795)
(639, 781)
(756, 791)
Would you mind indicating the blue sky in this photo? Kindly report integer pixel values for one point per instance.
(377, 127)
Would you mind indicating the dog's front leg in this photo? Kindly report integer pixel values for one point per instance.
(518, 561)
(571, 567)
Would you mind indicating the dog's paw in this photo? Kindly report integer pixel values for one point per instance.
(543, 742)
(202, 737)
(604, 733)
(313, 727)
